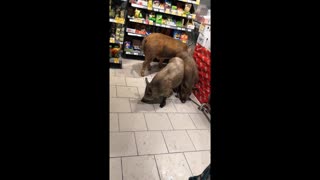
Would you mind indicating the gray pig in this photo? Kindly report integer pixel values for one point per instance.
(160, 46)
(161, 86)
(191, 76)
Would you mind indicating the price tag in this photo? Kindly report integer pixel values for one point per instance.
(189, 30)
(179, 28)
(161, 10)
(158, 25)
(167, 26)
(183, 29)
(135, 53)
(167, 11)
(163, 25)
(156, 9)
(116, 60)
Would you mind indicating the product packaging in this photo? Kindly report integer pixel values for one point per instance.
(159, 18)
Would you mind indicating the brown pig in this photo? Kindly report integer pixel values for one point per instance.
(161, 86)
(191, 76)
(161, 47)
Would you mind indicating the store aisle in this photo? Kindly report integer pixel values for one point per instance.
(152, 143)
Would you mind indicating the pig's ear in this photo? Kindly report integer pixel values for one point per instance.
(147, 81)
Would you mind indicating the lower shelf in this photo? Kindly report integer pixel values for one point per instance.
(115, 62)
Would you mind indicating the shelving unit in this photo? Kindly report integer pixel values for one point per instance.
(117, 13)
(170, 17)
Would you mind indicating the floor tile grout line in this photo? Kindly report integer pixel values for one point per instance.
(192, 121)
(170, 121)
(157, 166)
(145, 120)
(191, 140)
(121, 168)
(188, 163)
(165, 142)
(179, 152)
(135, 139)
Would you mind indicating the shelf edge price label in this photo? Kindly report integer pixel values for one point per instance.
(158, 25)
(135, 53)
(161, 10)
(116, 60)
(156, 9)
(179, 28)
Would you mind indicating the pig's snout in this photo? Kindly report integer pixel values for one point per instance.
(183, 101)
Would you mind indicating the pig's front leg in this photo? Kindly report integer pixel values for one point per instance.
(163, 103)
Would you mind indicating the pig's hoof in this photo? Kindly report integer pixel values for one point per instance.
(162, 105)
(142, 74)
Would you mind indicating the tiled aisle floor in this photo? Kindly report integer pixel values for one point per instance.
(152, 143)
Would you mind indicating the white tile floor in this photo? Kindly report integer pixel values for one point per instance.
(152, 143)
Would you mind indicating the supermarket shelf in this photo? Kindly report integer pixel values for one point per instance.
(115, 63)
(133, 34)
(159, 25)
(197, 2)
(115, 60)
(166, 11)
(115, 42)
(118, 21)
(136, 54)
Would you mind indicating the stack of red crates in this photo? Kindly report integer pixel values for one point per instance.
(202, 57)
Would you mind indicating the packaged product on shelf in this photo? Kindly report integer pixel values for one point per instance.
(117, 12)
(169, 21)
(127, 45)
(131, 30)
(167, 4)
(174, 9)
(149, 4)
(164, 19)
(156, 4)
(136, 44)
(184, 37)
(187, 8)
(159, 18)
(176, 34)
(137, 13)
(179, 23)
(152, 17)
(161, 6)
(112, 13)
(148, 30)
(190, 24)
(180, 8)
(143, 2)
(122, 13)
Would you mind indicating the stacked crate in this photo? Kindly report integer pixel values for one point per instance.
(202, 56)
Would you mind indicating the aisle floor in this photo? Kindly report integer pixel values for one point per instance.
(152, 143)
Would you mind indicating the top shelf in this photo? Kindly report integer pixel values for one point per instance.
(197, 2)
(166, 11)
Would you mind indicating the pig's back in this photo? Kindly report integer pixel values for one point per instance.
(172, 72)
(163, 46)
